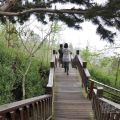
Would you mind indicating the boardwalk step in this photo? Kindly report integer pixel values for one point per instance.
(69, 101)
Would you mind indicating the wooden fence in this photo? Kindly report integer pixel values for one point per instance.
(29, 109)
(106, 104)
(104, 109)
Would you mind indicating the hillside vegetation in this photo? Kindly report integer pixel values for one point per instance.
(105, 69)
(12, 63)
(24, 63)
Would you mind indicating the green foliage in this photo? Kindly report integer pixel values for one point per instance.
(12, 63)
(102, 68)
(101, 76)
(8, 35)
(104, 15)
(7, 80)
(25, 71)
(36, 80)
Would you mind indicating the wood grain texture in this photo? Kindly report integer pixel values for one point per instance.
(69, 101)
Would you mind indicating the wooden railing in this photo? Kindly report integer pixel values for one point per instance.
(53, 65)
(104, 109)
(37, 108)
(105, 105)
(84, 73)
(109, 92)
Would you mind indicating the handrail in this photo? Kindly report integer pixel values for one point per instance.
(51, 77)
(85, 75)
(90, 84)
(40, 108)
(49, 87)
(53, 64)
(106, 105)
(109, 92)
(104, 85)
(116, 105)
(104, 109)
(32, 108)
(72, 60)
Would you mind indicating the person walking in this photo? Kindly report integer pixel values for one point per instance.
(66, 58)
(61, 55)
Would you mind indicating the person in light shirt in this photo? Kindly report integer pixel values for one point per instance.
(66, 58)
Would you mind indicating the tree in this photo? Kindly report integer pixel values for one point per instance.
(25, 38)
(9, 33)
(104, 16)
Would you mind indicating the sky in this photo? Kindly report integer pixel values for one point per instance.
(80, 38)
(84, 37)
(87, 36)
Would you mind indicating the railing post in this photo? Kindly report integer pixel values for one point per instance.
(76, 58)
(90, 94)
(54, 52)
(84, 64)
(86, 76)
(96, 103)
(77, 52)
(49, 89)
(99, 92)
(100, 112)
(52, 64)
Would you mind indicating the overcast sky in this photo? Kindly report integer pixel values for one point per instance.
(84, 37)
(80, 38)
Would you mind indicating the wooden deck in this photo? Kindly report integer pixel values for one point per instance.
(70, 102)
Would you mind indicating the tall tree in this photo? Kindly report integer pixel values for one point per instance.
(103, 15)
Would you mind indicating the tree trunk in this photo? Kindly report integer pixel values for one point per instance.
(23, 86)
(117, 72)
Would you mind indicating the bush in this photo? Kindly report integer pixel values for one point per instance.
(100, 76)
(11, 63)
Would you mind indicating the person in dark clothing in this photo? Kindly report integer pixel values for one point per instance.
(60, 55)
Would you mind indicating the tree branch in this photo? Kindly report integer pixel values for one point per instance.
(41, 43)
(43, 10)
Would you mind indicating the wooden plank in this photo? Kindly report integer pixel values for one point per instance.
(69, 101)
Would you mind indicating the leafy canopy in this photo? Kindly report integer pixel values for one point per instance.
(102, 15)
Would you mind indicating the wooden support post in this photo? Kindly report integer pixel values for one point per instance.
(84, 64)
(12, 115)
(49, 88)
(37, 110)
(54, 52)
(28, 112)
(52, 64)
(21, 113)
(33, 111)
(41, 110)
(77, 52)
(91, 89)
(99, 91)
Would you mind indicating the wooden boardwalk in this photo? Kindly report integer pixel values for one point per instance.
(70, 102)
